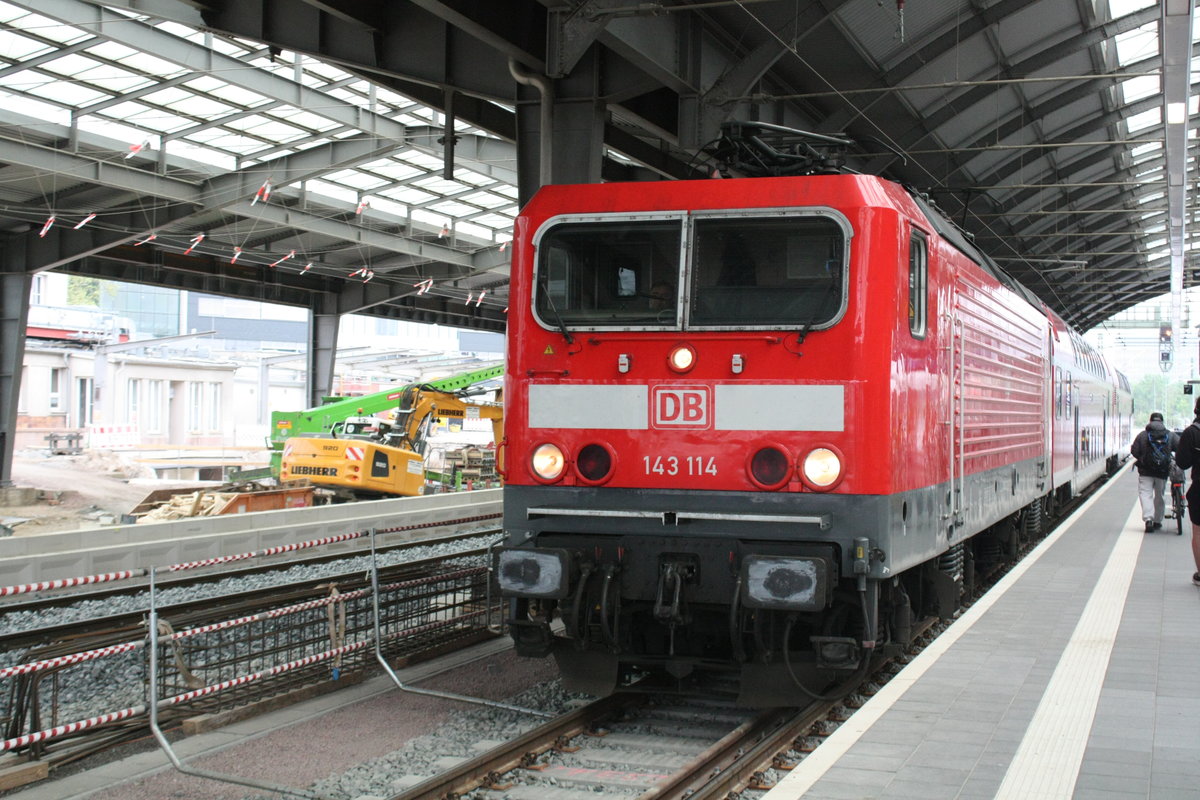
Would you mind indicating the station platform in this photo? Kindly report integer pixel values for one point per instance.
(1076, 676)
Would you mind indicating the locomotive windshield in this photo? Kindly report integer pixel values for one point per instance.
(779, 271)
(760, 270)
(610, 273)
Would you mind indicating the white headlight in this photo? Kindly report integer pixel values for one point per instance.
(548, 462)
(822, 468)
(532, 573)
(682, 358)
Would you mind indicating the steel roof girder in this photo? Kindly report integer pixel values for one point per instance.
(141, 36)
(314, 162)
(352, 234)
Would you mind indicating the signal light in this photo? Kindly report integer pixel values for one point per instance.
(594, 463)
(1164, 334)
(769, 467)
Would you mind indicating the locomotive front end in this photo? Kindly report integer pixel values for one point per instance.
(682, 493)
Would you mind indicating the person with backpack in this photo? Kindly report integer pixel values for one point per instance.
(1187, 454)
(1154, 450)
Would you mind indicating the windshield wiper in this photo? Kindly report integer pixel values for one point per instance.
(562, 326)
(807, 325)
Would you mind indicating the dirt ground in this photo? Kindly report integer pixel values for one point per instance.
(78, 490)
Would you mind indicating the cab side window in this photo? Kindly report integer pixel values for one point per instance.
(918, 284)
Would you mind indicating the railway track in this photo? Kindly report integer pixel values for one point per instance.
(428, 605)
(644, 745)
(655, 746)
(209, 597)
(702, 747)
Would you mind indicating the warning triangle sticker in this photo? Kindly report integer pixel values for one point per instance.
(549, 351)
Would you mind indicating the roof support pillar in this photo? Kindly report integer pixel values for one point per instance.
(14, 314)
(323, 321)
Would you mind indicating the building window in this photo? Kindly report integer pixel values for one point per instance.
(133, 400)
(213, 406)
(152, 410)
(58, 399)
(83, 390)
(195, 406)
(37, 290)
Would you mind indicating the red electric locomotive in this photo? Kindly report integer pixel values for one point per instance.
(757, 425)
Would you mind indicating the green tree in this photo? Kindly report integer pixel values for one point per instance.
(83, 291)
(1156, 393)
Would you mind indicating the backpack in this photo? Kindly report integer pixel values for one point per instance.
(1159, 457)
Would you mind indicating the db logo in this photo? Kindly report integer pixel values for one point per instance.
(680, 407)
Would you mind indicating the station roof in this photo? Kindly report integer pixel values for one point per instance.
(276, 150)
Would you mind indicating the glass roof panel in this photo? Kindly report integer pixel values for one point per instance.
(1136, 88)
(199, 106)
(379, 203)
(1137, 44)
(111, 51)
(464, 174)
(452, 209)
(144, 62)
(32, 107)
(208, 155)
(45, 28)
(333, 191)
(304, 119)
(272, 130)
(71, 64)
(67, 93)
(496, 220)
(358, 180)
(1146, 119)
(15, 47)
(471, 229)
(485, 200)
(167, 96)
(407, 194)
(395, 170)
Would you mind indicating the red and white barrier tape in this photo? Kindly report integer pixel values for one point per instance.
(64, 583)
(70, 727)
(444, 523)
(277, 670)
(74, 658)
(270, 551)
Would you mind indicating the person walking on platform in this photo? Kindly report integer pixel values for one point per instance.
(1187, 454)
(1153, 449)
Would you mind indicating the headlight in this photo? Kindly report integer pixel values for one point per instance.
(822, 469)
(793, 584)
(533, 573)
(682, 358)
(548, 462)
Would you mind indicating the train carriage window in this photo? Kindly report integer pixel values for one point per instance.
(918, 284)
(1058, 392)
(609, 273)
(768, 271)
